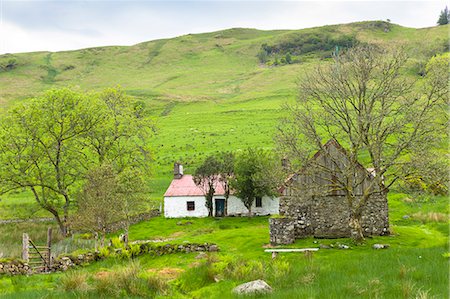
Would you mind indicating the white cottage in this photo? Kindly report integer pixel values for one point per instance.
(185, 199)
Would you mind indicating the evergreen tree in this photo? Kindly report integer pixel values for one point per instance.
(444, 17)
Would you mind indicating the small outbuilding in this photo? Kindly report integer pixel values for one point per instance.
(311, 206)
(184, 198)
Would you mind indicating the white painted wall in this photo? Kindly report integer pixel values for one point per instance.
(269, 206)
(175, 207)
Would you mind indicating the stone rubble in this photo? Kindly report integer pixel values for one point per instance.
(65, 262)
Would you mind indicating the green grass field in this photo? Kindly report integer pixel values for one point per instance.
(415, 265)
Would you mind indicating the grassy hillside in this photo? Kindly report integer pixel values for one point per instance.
(210, 92)
(207, 92)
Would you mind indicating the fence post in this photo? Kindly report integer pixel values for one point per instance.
(25, 243)
(49, 246)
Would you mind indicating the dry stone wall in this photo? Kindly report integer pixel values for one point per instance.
(326, 217)
(65, 262)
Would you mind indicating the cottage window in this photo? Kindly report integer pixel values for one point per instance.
(190, 205)
(258, 202)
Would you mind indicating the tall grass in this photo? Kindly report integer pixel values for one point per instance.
(75, 281)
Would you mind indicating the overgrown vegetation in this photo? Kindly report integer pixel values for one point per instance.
(294, 46)
(48, 144)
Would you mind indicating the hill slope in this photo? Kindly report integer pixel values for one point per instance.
(211, 66)
(208, 92)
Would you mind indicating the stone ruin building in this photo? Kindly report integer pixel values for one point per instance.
(310, 206)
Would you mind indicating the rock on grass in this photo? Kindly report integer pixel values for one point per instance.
(253, 287)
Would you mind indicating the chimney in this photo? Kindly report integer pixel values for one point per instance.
(177, 170)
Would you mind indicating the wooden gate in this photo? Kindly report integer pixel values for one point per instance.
(38, 257)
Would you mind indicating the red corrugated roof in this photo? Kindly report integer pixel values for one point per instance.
(185, 186)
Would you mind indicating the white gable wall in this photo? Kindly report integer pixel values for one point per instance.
(176, 206)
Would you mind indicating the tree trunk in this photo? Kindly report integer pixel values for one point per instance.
(356, 228)
(209, 204)
(225, 210)
(250, 211)
(102, 243)
(61, 223)
(125, 237)
(96, 241)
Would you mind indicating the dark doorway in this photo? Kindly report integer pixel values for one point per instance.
(220, 207)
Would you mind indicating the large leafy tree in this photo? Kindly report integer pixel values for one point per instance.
(256, 174)
(47, 144)
(364, 100)
(206, 177)
(122, 138)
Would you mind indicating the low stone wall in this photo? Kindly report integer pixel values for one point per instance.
(65, 262)
(14, 267)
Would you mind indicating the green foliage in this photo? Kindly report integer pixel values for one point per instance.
(8, 62)
(444, 17)
(304, 43)
(104, 252)
(48, 143)
(98, 204)
(256, 174)
(206, 176)
(242, 270)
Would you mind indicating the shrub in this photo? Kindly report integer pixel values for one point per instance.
(244, 270)
(104, 252)
(116, 243)
(303, 43)
(135, 250)
(125, 254)
(75, 281)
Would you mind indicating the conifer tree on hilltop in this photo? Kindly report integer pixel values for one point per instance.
(444, 17)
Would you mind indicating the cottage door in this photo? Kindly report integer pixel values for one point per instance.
(220, 207)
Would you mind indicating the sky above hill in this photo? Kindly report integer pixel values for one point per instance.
(36, 25)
